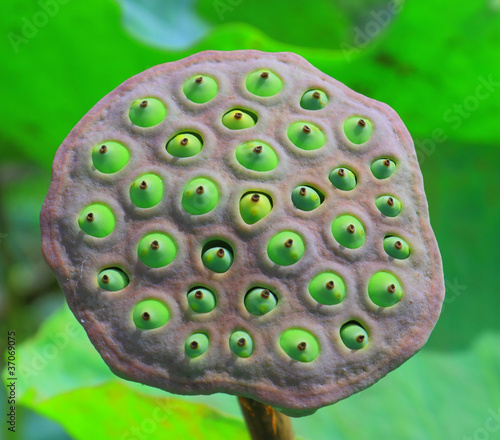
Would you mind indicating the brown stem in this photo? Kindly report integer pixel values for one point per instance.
(264, 422)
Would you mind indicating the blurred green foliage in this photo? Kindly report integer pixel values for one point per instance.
(435, 62)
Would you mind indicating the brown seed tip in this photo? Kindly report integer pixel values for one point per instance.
(199, 80)
(155, 245)
(264, 75)
(238, 115)
(316, 95)
(289, 243)
(391, 288)
(220, 253)
(398, 245)
(241, 342)
(362, 123)
(390, 201)
(90, 217)
(105, 279)
(198, 294)
(103, 149)
(302, 346)
(265, 294)
(258, 149)
(342, 172)
(255, 198)
(302, 191)
(146, 316)
(387, 163)
(330, 285)
(351, 229)
(194, 345)
(306, 129)
(200, 190)
(360, 338)
(143, 185)
(143, 104)
(184, 141)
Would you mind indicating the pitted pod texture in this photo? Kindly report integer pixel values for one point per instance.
(218, 226)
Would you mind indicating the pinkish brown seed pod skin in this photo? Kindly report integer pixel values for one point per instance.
(395, 333)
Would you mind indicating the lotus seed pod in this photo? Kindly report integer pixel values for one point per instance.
(147, 112)
(150, 314)
(343, 178)
(97, 220)
(314, 100)
(254, 207)
(156, 250)
(197, 219)
(196, 345)
(238, 120)
(389, 205)
(306, 136)
(200, 196)
(384, 289)
(201, 300)
(286, 248)
(353, 335)
(396, 247)
(305, 198)
(184, 145)
(112, 279)
(358, 130)
(200, 89)
(300, 345)
(260, 301)
(217, 259)
(263, 83)
(327, 288)
(383, 168)
(146, 191)
(110, 157)
(348, 231)
(257, 156)
(241, 344)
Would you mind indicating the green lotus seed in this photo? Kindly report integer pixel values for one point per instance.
(257, 156)
(97, 220)
(314, 100)
(343, 178)
(150, 314)
(396, 247)
(146, 191)
(112, 279)
(184, 145)
(254, 207)
(299, 345)
(200, 196)
(238, 120)
(196, 345)
(306, 136)
(305, 198)
(263, 83)
(358, 130)
(353, 335)
(384, 289)
(110, 157)
(147, 112)
(259, 301)
(201, 300)
(383, 168)
(285, 248)
(327, 288)
(348, 231)
(389, 205)
(241, 344)
(200, 89)
(156, 250)
(217, 259)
